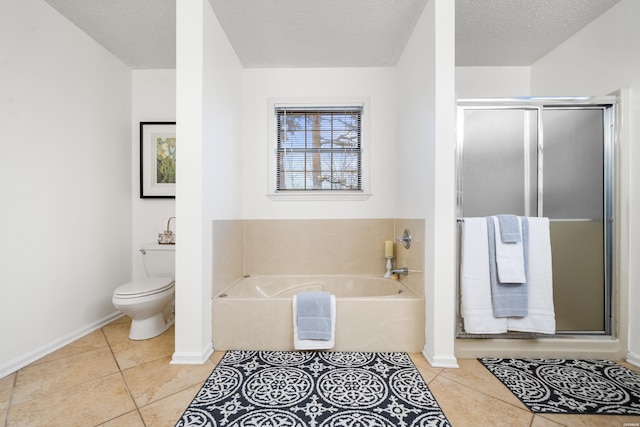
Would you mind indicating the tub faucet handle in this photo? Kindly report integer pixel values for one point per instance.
(405, 239)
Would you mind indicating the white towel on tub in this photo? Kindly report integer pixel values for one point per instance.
(299, 344)
(475, 283)
(541, 315)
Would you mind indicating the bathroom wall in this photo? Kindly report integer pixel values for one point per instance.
(320, 246)
(320, 84)
(65, 220)
(228, 253)
(314, 247)
(479, 82)
(601, 59)
(153, 99)
(412, 258)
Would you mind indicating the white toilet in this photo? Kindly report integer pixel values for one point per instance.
(149, 301)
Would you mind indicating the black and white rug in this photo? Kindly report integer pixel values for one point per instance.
(559, 386)
(315, 389)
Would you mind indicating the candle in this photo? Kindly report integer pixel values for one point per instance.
(388, 248)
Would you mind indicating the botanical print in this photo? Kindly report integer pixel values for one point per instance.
(166, 160)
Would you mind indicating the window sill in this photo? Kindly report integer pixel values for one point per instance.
(304, 196)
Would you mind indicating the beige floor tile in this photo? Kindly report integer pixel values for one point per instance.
(216, 356)
(89, 342)
(38, 380)
(539, 421)
(130, 353)
(6, 388)
(122, 321)
(80, 385)
(464, 406)
(158, 379)
(629, 366)
(473, 375)
(130, 419)
(166, 412)
(118, 330)
(88, 404)
(426, 370)
(592, 420)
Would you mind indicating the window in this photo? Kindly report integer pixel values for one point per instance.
(319, 149)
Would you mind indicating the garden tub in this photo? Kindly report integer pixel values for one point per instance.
(372, 313)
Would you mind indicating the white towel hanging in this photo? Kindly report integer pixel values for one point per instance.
(475, 284)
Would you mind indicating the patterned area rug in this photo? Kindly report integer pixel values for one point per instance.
(559, 386)
(315, 389)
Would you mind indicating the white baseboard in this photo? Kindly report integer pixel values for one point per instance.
(191, 357)
(633, 358)
(440, 361)
(22, 361)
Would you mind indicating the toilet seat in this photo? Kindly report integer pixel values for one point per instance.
(144, 287)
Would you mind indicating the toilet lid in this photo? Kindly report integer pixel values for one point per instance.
(142, 287)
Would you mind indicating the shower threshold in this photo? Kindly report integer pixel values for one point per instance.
(596, 335)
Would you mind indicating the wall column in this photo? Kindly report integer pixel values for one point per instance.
(193, 285)
(440, 289)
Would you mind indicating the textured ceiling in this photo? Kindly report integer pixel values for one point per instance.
(142, 33)
(518, 32)
(334, 33)
(313, 33)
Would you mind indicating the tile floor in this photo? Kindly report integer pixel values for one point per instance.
(104, 379)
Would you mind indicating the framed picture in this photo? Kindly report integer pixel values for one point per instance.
(157, 159)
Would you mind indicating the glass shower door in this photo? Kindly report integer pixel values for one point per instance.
(498, 166)
(574, 201)
(552, 161)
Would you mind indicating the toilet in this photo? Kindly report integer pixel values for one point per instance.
(149, 301)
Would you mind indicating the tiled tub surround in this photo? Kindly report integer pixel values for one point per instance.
(372, 313)
(317, 246)
(314, 247)
(350, 248)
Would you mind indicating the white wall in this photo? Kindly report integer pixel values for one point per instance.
(320, 84)
(153, 100)
(65, 222)
(598, 60)
(426, 126)
(223, 163)
(209, 92)
(479, 82)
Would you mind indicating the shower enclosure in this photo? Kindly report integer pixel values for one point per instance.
(550, 157)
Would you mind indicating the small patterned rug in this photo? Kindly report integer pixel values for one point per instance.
(559, 386)
(315, 389)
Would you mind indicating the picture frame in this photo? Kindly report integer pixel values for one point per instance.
(157, 160)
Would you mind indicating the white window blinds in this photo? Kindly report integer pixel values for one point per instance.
(319, 148)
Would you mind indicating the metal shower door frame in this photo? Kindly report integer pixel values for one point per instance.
(608, 105)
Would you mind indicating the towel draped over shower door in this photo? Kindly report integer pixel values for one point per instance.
(538, 158)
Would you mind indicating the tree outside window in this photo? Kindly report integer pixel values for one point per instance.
(319, 149)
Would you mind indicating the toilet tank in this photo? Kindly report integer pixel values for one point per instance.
(159, 260)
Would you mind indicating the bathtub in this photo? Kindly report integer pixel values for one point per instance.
(372, 313)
